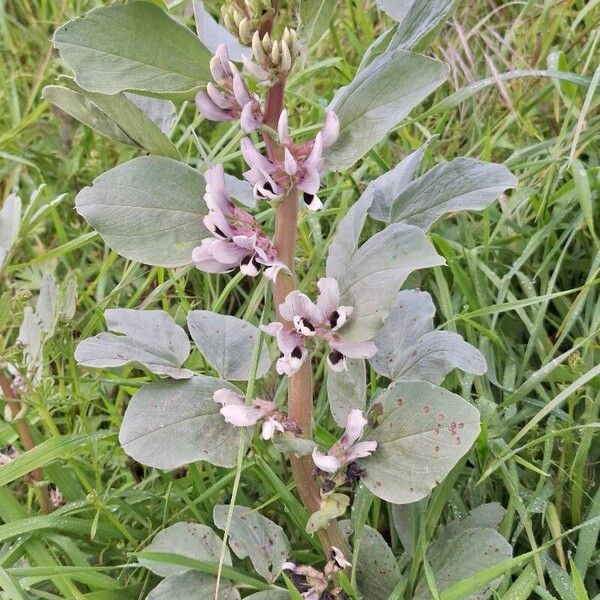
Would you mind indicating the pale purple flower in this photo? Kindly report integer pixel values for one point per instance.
(323, 319)
(238, 241)
(347, 449)
(236, 412)
(228, 98)
(301, 166)
(56, 496)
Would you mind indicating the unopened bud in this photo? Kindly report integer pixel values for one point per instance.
(245, 30)
(238, 17)
(286, 59)
(275, 53)
(257, 48)
(266, 43)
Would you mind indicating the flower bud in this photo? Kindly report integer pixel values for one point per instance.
(266, 43)
(245, 30)
(257, 48)
(275, 53)
(286, 58)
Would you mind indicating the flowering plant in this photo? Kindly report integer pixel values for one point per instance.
(130, 62)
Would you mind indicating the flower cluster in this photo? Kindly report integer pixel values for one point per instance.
(300, 165)
(228, 98)
(323, 319)
(345, 451)
(314, 584)
(236, 412)
(272, 60)
(237, 239)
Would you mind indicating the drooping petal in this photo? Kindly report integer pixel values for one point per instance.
(309, 183)
(361, 450)
(240, 91)
(249, 266)
(326, 462)
(228, 253)
(283, 130)
(331, 129)
(355, 424)
(227, 397)
(209, 110)
(203, 259)
(289, 163)
(312, 201)
(248, 121)
(216, 197)
(219, 64)
(217, 224)
(241, 416)
(218, 97)
(269, 427)
(254, 158)
(336, 361)
(287, 339)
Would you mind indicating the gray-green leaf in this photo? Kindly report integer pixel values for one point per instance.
(135, 46)
(387, 187)
(470, 551)
(377, 99)
(190, 540)
(228, 344)
(114, 116)
(409, 349)
(461, 184)
(150, 338)
(347, 389)
(149, 209)
(253, 535)
(423, 432)
(161, 112)
(192, 584)
(373, 274)
(315, 16)
(10, 221)
(417, 18)
(172, 423)
(377, 572)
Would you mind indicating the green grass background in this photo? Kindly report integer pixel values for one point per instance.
(521, 284)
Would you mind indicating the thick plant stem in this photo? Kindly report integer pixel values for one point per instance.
(300, 391)
(26, 438)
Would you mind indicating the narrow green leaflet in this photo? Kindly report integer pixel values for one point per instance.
(461, 184)
(190, 540)
(417, 19)
(149, 209)
(227, 343)
(10, 221)
(347, 389)
(377, 572)
(254, 536)
(269, 595)
(192, 585)
(377, 100)
(466, 553)
(423, 432)
(172, 423)
(373, 274)
(408, 348)
(135, 46)
(315, 16)
(150, 338)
